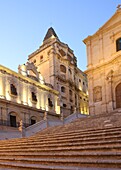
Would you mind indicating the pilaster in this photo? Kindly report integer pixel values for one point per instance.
(91, 102)
(52, 66)
(89, 54)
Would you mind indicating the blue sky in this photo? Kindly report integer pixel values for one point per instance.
(24, 23)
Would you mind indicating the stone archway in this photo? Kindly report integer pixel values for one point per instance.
(33, 120)
(118, 95)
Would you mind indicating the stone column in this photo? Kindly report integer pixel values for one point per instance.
(91, 102)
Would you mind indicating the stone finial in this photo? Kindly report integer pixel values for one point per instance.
(119, 6)
(22, 128)
(21, 125)
(45, 115)
(75, 110)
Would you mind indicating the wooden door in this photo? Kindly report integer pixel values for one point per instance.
(118, 96)
(13, 121)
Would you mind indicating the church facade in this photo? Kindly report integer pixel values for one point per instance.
(58, 65)
(104, 67)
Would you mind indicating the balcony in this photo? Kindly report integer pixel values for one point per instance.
(61, 77)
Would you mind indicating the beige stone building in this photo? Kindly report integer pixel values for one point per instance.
(24, 96)
(58, 65)
(104, 66)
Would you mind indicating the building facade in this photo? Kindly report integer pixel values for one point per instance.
(58, 65)
(24, 96)
(104, 66)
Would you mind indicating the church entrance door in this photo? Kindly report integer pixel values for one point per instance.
(13, 121)
(118, 96)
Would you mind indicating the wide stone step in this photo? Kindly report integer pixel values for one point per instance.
(70, 144)
(19, 166)
(63, 154)
(59, 138)
(115, 148)
(69, 132)
(96, 133)
(69, 128)
(77, 162)
(65, 141)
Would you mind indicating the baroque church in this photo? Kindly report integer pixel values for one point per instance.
(58, 65)
(89, 142)
(104, 67)
(49, 82)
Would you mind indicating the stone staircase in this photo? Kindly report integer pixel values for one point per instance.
(65, 147)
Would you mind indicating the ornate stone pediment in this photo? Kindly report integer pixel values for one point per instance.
(116, 18)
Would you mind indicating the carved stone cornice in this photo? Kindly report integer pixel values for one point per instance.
(115, 57)
(27, 80)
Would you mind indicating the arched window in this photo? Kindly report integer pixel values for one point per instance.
(63, 68)
(70, 72)
(50, 103)
(64, 105)
(13, 89)
(63, 89)
(34, 98)
(118, 44)
(70, 92)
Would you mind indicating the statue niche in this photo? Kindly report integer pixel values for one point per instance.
(97, 94)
